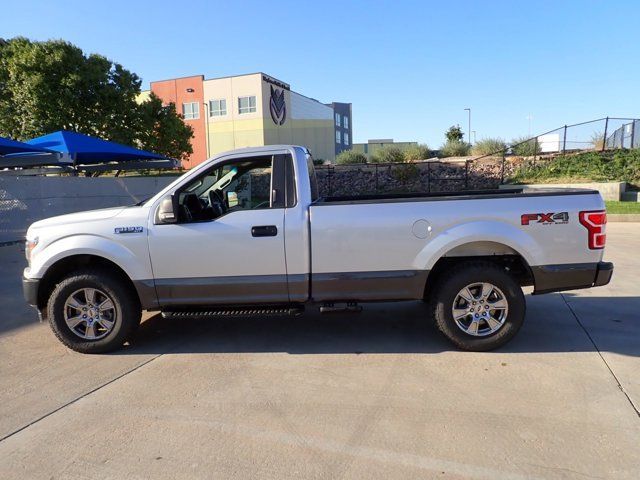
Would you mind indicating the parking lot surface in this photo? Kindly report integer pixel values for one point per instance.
(379, 394)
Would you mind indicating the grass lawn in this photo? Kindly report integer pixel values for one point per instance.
(622, 207)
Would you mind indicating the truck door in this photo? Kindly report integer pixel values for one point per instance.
(227, 246)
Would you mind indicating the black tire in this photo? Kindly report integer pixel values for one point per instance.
(467, 273)
(125, 302)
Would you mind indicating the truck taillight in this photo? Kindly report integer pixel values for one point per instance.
(595, 222)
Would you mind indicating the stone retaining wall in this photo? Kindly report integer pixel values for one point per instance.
(412, 177)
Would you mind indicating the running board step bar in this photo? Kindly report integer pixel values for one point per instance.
(349, 307)
(236, 312)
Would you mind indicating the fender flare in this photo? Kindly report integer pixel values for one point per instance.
(489, 231)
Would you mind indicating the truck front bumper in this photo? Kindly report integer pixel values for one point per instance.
(556, 278)
(30, 290)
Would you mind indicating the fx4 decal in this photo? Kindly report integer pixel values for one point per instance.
(544, 218)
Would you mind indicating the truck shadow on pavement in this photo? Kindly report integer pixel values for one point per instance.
(579, 324)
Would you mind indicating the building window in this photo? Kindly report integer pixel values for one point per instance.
(191, 111)
(337, 136)
(346, 137)
(345, 122)
(337, 119)
(247, 104)
(217, 108)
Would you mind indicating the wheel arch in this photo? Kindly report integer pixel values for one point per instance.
(497, 253)
(61, 268)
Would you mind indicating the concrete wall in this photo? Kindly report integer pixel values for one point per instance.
(23, 200)
(608, 190)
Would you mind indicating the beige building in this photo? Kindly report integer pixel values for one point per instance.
(374, 145)
(254, 110)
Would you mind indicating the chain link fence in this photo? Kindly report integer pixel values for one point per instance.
(626, 136)
(480, 172)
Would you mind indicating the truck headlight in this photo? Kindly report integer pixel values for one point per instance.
(28, 249)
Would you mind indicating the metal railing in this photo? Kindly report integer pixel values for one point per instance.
(483, 171)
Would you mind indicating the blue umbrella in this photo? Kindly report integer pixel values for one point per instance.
(85, 149)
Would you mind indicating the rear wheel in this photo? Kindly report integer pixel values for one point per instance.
(478, 306)
(93, 312)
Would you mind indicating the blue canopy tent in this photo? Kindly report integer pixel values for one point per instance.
(94, 154)
(8, 147)
(23, 155)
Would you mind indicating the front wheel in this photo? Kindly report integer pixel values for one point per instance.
(478, 306)
(93, 312)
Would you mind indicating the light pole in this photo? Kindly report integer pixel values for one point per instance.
(469, 131)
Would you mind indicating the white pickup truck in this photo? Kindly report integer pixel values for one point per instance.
(246, 233)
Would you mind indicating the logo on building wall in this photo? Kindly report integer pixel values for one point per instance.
(277, 106)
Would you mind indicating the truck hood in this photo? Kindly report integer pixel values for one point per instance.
(79, 217)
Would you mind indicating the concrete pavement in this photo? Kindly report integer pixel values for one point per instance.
(379, 394)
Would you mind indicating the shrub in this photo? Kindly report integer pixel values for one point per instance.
(387, 154)
(487, 146)
(348, 157)
(619, 166)
(525, 147)
(455, 148)
(597, 139)
(416, 152)
(405, 173)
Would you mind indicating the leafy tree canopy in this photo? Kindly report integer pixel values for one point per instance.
(53, 85)
(162, 129)
(454, 134)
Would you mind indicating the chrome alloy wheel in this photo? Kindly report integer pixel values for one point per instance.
(480, 309)
(90, 313)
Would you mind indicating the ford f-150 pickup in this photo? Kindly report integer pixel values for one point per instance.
(247, 233)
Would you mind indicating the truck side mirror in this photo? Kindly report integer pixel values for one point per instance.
(165, 212)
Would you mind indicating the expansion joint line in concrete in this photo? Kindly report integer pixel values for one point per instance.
(635, 409)
(71, 402)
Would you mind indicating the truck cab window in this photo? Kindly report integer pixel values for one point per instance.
(242, 185)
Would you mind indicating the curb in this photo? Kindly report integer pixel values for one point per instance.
(623, 217)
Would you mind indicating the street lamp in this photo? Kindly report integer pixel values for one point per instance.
(469, 131)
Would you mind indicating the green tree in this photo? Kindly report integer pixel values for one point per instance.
(53, 85)
(454, 134)
(347, 157)
(162, 130)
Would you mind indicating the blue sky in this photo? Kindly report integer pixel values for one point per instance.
(409, 68)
